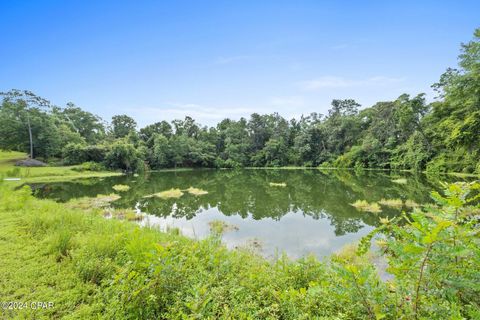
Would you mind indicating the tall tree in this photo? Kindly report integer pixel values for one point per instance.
(88, 125)
(122, 125)
(27, 103)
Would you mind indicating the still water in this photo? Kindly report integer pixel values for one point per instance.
(312, 214)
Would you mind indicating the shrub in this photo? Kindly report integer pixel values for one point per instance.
(90, 166)
(74, 153)
(95, 153)
(123, 155)
(457, 160)
(435, 257)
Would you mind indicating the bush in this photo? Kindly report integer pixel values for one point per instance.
(123, 155)
(90, 166)
(74, 153)
(95, 153)
(229, 163)
(458, 160)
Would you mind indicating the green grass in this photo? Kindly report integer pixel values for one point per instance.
(90, 267)
(42, 174)
(11, 155)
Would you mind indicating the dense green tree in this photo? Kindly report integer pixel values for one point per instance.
(259, 131)
(161, 156)
(122, 125)
(149, 132)
(123, 155)
(187, 127)
(274, 154)
(236, 144)
(22, 108)
(86, 124)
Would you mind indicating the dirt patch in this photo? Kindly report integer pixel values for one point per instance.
(30, 163)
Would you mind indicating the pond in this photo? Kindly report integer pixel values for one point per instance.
(297, 212)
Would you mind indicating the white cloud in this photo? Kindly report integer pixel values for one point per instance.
(288, 106)
(290, 101)
(205, 115)
(329, 82)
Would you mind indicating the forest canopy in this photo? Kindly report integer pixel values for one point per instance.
(407, 133)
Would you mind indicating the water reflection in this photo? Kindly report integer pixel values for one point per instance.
(312, 213)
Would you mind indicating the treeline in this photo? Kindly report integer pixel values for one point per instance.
(407, 133)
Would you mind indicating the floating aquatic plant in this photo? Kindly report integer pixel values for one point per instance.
(393, 203)
(172, 193)
(400, 181)
(100, 201)
(121, 187)
(196, 191)
(368, 207)
(280, 184)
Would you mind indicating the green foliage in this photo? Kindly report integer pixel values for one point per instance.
(122, 126)
(85, 124)
(123, 155)
(74, 153)
(457, 160)
(98, 268)
(435, 257)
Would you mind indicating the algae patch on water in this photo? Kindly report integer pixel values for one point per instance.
(366, 206)
(277, 184)
(392, 203)
(167, 194)
(100, 201)
(177, 193)
(121, 187)
(400, 181)
(411, 204)
(196, 191)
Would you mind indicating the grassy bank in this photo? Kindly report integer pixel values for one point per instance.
(42, 174)
(91, 267)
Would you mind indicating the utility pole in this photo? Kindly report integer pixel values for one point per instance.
(30, 135)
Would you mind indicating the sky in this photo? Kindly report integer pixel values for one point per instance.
(163, 60)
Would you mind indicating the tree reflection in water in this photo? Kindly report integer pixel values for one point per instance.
(248, 194)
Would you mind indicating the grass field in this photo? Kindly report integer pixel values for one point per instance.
(42, 174)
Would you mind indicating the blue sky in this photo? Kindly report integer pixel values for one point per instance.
(160, 60)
